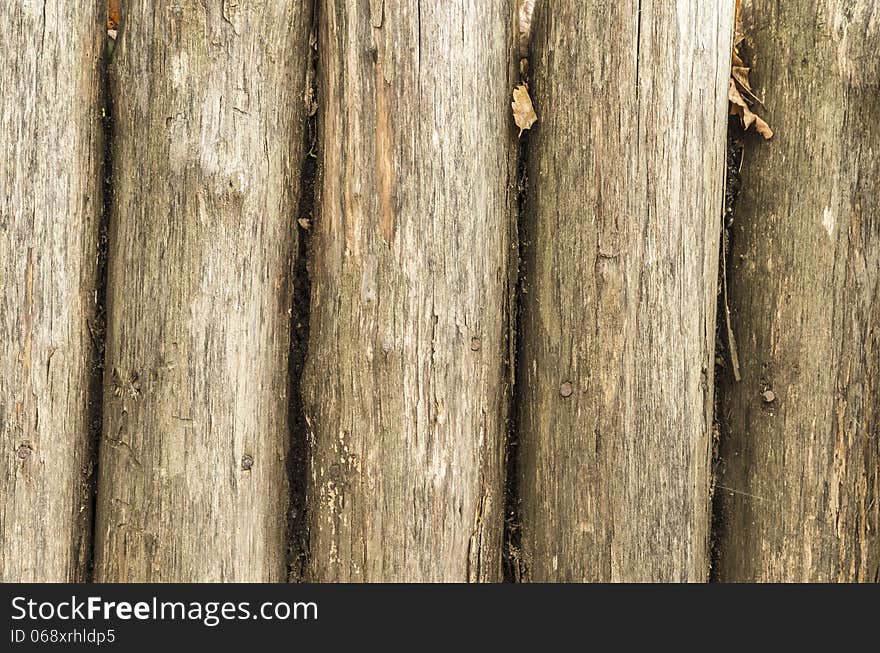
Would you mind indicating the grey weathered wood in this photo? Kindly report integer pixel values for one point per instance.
(800, 468)
(615, 370)
(50, 207)
(208, 110)
(406, 384)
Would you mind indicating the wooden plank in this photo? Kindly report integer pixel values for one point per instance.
(209, 112)
(801, 433)
(405, 386)
(617, 343)
(50, 210)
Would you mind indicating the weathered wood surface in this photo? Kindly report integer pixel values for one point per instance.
(50, 208)
(208, 111)
(621, 247)
(406, 386)
(801, 466)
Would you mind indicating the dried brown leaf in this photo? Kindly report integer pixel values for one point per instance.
(763, 128)
(526, 12)
(739, 107)
(736, 60)
(740, 75)
(740, 92)
(738, 31)
(733, 94)
(112, 14)
(523, 111)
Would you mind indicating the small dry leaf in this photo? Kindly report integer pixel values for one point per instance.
(738, 33)
(739, 107)
(740, 75)
(740, 92)
(526, 11)
(112, 15)
(523, 111)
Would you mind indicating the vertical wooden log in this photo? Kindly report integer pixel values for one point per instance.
(617, 342)
(800, 495)
(405, 384)
(207, 151)
(50, 208)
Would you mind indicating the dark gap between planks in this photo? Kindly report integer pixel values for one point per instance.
(726, 363)
(298, 458)
(513, 566)
(98, 329)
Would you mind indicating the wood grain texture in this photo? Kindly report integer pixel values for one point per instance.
(801, 467)
(50, 208)
(617, 341)
(406, 386)
(209, 109)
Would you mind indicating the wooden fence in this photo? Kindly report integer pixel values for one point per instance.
(286, 295)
